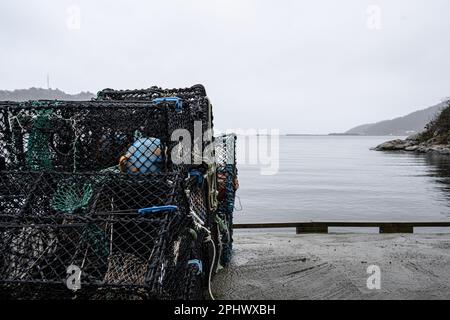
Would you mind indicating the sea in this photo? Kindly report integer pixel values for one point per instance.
(338, 178)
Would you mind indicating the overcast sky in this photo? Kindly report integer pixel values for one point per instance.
(302, 66)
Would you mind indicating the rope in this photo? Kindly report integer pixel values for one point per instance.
(210, 240)
(200, 224)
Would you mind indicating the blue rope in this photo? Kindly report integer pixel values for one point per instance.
(153, 210)
(198, 175)
(178, 102)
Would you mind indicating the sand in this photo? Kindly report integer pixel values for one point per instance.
(334, 266)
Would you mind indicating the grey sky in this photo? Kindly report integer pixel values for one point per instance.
(301, 66)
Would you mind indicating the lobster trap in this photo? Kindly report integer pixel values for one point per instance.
(111, 198)
(227, 185)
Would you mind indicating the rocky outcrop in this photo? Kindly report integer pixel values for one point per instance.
(434, 139)
(393, 145)
(414, 144)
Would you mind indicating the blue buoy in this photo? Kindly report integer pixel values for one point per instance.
(144, 156)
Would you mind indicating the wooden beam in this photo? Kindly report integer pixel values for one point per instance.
(312, 228)
(397, 228)
(322, 227)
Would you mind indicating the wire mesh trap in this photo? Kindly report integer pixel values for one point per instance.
(94, 186)
(227, 184)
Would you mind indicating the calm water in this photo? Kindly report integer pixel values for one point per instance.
(339, 178)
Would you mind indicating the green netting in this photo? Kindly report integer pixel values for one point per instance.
(97, 239)
(38, 155)
(73, 198)
(69, 198)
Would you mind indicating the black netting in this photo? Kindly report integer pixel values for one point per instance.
(227, 185)
(94, 185)
(93, 222)
(192, 93)
(86, 136)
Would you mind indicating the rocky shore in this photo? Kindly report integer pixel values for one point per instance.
(434, 139)
(412, 144)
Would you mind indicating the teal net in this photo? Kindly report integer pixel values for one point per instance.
(70, 197)
(38, 155)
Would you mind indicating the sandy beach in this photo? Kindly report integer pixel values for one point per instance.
(334, 266)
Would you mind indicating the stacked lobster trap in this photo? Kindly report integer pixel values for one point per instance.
(103, 199)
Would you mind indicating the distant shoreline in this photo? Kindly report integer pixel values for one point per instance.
(344, 134)
(336, 135)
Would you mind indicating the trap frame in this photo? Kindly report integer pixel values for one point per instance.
(94, 185)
